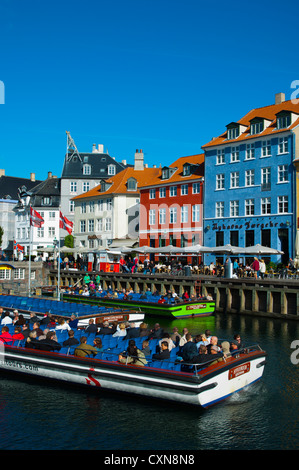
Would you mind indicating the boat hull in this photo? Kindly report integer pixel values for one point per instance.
(202, 389)
(179, 310)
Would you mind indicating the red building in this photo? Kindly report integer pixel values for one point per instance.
(171, 207)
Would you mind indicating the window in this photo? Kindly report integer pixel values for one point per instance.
(72, 206)
(165, 173)
(99, 225)
(283, 121)
(283, 204)
(266, 205)
(220, 181)
(184, 214)
(83, 207)
(86, 169)
(100, 205)
(73, 187)
(5, 273)
(85, 186)
(173, 215)
(283, 145)
(19, 273)
(256, 127)
(173, 191)
(109, 204)
(184, 190)
(152, 193)
(162, 216)
(195, 213)
(282, 173)
(52, 215)
(108, 224)
(219, 209)
(235, 154)
(111, 170)
(82, 226)
(91, 225)
(266, 148)
(40, 232)
(249, 206)
(162, 192)
(249, 152)
(220, 159)
(249, 178)
(132, 184)
(234, 179)
(186, 169)
(232, 133)
(196, 188)
(234, 208)
(91, 206)
(266, 179)
(51, 231)
(152, 217)
(46, 201)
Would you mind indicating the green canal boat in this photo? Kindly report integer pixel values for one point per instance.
(182, 309)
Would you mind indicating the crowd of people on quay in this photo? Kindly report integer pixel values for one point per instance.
(128, 342)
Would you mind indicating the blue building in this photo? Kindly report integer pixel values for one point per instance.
(249, 188)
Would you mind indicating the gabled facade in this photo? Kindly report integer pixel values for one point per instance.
(172, 205)
(250, 180)
(82, 172)
(108, 214)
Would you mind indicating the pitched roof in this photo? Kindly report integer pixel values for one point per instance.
(197, 162)
(99, 162)
(9, 186)
(119, 182)
(267, 112)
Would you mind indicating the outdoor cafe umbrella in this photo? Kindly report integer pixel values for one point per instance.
(260, 250)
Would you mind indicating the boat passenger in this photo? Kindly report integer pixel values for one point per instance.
(5, 336)
(6, 320)
(98, 345)
(132, 331)
(146, 348)
(225, 349)
(36, 327)
(33, 318)
(49, 343)
(85, 349)
(238, 341)
(164, 354)
(120, 330)
(92, 327)
(21, 321)
(132, 355)
(17, 336)
(175, 336)
(185, 296)
(189, 350)
(71, 341)
(162, 300)
(106, 329)
(213, 342)
(166, 337)
(156, 333)
(143, 330)
(183, 337)
(73, 323)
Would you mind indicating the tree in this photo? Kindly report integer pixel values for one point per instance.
(69, 241)
(1, 235)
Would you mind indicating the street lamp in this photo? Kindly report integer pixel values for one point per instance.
(56, 245)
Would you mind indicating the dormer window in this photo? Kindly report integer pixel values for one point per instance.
(111, 170)
(86, 169)
(46, 201)
(234, 129)
(256, 126)
(167, 172)
(186, 169)
(132, 184)
(284, 119)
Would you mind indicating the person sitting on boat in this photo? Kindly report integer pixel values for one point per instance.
(189, 350)
(71, 341)
(132, 331)
(132, 355)
(5, 336)
(31, 340)
(49, 343)
(213, 342)
(146, 348)
(63, 325)
(183, 339)
(163, 354)
(6, 320)
(143, 330)
(36, 327)
(185, 296)
(166, 337)
(33, 318)
(120, 330)
(105, 329)
(238, 341)
(162, 300)
(92, 327)
(203, 356)
(98, 345)
(175, 336)
(156, 333)
(73, 323)
(85, 349)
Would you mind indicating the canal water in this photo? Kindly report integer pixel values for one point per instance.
(34, 416)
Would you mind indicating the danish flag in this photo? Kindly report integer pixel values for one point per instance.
(65, 224)
(35, 218)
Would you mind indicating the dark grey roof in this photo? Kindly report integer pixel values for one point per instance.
(9, 186)
(50, 188)
(99, 162)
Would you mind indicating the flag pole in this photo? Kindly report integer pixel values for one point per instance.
(58, 261)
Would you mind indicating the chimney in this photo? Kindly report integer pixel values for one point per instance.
(101, 148)
(32, 176)
(2, 173)
(279, 98)
(138, 163)
(49, 174)
(124, 162)
(94, 148)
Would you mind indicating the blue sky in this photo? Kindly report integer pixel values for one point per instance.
(159, 75)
